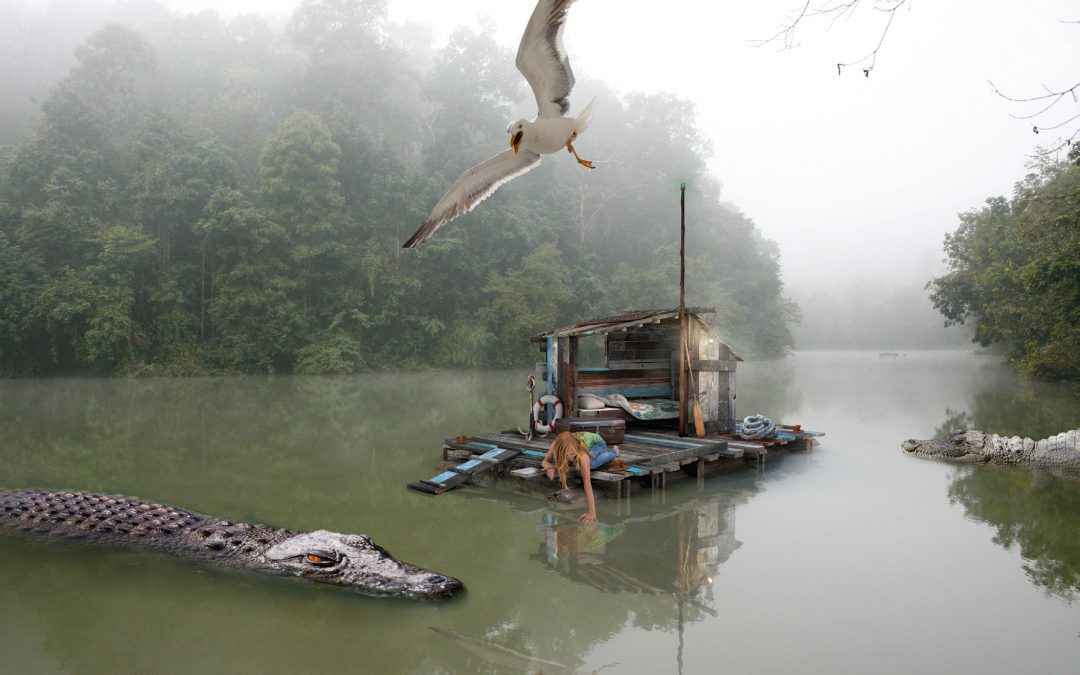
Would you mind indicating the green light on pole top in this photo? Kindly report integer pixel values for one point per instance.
(682, 186)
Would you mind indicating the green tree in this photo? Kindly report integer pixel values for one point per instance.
(22, 278)
(526, 300)
(300, 189)
(89, 311)
(1014, 272)
(252, 324)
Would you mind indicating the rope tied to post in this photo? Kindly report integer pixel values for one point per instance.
(530, 386)
(756, 427)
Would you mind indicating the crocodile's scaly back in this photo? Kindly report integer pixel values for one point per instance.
(348, 560)
(1058, 452)
(95, 516)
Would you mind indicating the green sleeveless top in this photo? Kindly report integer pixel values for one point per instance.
(588, 438)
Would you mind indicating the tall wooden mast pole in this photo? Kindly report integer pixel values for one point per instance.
(683, 375)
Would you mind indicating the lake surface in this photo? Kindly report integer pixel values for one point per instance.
(852, 558)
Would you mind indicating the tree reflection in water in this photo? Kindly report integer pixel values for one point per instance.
(1035, 511)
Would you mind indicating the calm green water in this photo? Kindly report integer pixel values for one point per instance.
(852, 558)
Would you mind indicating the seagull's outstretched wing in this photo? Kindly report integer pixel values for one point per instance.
(474, 186)
(541, 58)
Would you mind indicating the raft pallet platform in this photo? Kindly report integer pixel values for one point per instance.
(651, 456)
(448, 480)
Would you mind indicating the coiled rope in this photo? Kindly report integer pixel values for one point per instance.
(757, 427)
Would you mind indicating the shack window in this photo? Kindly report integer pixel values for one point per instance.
(591, 353)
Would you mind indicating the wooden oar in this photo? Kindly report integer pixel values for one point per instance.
(699, 421)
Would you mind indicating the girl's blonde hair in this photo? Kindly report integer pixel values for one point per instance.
(564, 444)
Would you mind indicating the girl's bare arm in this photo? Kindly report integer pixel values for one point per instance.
(583, 466)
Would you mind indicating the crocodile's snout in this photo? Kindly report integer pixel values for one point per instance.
(356, 562)
(439, 581)
(439, 586)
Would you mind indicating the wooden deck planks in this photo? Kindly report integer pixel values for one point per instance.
(636, 448)
(642, 453)
(647, 451)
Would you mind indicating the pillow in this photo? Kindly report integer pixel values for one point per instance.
(590, 402)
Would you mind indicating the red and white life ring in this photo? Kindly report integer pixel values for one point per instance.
(543, 401)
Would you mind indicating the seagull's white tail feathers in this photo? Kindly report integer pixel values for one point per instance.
(585, 117)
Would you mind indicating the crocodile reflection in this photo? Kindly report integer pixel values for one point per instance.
(672, 552)
(1035, 512)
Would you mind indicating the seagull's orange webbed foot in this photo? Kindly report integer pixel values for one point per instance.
(582, 162)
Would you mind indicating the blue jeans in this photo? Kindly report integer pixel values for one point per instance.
(599, 455)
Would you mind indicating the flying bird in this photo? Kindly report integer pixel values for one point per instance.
(541, 58)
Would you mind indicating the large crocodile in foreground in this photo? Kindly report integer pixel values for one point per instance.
(349, 560)
(1054, 452)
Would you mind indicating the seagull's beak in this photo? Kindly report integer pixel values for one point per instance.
(515, 140)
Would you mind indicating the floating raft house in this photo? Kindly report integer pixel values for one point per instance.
(647, 382)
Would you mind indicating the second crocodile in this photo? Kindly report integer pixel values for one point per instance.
(1059, 452)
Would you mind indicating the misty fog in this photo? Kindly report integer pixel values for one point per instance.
(169, 134)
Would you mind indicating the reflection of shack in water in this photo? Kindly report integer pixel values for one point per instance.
(674, 552)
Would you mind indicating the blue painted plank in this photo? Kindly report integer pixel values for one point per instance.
(662, 391)
(443, 477)
(664, 441)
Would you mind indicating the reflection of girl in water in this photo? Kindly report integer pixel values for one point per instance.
(566, 545)
(571, 447)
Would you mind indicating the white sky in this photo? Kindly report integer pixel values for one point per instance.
(855, 178)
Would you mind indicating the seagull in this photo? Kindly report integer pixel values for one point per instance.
(541, 58)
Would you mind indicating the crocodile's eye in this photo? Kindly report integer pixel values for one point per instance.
(321, 559)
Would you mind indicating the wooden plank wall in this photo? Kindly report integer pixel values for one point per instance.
(645, 348)
(639, 363)
(568, 349)
(714, 371)
(630, 383)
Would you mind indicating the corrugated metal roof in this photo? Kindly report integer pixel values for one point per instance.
(628, 319)
(619, 318)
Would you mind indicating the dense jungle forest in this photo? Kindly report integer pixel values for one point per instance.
(187, 194)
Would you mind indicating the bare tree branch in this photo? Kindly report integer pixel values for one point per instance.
(836, 10)
(1052, 97)
(872, 56)
(786, 33)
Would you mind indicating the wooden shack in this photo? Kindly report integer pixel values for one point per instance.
(644, 375)
(635, 367)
